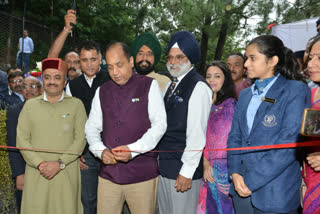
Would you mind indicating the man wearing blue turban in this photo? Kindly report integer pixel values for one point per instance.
(188, 101)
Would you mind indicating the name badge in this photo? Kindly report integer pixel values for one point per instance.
(268, 100)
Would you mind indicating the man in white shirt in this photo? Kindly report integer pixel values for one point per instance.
(84, 88)
(25, 49)
(188, 102)
(131, 114)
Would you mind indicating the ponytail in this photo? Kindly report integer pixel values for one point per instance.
(289, 68)
(287, 65)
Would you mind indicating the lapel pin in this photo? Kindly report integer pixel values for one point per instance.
(135, 100)
(64, 115)
(178, 99)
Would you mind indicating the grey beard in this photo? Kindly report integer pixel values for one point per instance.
(183, 69)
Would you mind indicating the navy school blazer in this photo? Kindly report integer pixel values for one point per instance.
(273, 176)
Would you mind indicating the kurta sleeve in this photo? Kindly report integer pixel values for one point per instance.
(79, 140)
(32, 158)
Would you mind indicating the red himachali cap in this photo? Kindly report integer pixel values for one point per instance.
(54, 63)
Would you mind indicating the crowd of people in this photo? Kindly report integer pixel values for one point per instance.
(131, 140)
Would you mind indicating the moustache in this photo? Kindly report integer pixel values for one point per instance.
(72, 69)
(55, 85)
(146, 61)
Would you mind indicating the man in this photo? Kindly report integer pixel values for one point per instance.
(130, 112)
(52, 124)
(31, 88)
(25, 50)
(73, 62)
(71, 58)
(3, 89)
(318, 26)
(235, 63)
(15, 80)
(12, 69)
(146, 51)
(84, 88)
(188, 102)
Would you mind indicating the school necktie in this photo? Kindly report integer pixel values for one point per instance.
(171, 88)
(261, 84)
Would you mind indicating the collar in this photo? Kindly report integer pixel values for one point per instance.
(46, 99)
(262, 86)
(88, 79)
(19, 95)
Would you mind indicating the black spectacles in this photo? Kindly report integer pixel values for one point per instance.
(16, 81)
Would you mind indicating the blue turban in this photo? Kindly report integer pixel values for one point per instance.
(187, 44)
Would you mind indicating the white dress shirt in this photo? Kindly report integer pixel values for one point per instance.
(88, 80)
(199, 107)
(157, 117)
(27, 45)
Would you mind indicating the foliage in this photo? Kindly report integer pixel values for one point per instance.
(6, 182)
(220, 26)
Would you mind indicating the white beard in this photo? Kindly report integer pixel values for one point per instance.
(182, 69)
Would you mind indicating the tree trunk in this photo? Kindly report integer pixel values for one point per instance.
(204, 45)
(222, 36)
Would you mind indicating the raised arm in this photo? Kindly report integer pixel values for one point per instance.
(57, 45)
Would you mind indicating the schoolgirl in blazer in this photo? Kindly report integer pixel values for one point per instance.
(268, 113)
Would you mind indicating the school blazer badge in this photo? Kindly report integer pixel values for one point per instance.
(269, 120)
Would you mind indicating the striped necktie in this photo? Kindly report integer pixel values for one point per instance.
(171, 88)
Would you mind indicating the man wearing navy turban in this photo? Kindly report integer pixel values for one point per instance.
(188, 102)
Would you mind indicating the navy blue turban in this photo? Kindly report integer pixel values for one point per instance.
(187, 44)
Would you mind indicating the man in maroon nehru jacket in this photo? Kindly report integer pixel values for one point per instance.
(130, 112)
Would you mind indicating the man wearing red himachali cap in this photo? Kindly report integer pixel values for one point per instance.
(53, 122)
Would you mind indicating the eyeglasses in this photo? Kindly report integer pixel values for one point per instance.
(177, 58)
(32, 86)
(16, 81)
(147, 54)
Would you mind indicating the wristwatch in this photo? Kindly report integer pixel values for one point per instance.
(62, 165)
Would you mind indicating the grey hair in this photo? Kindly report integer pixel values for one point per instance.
(39, 83)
